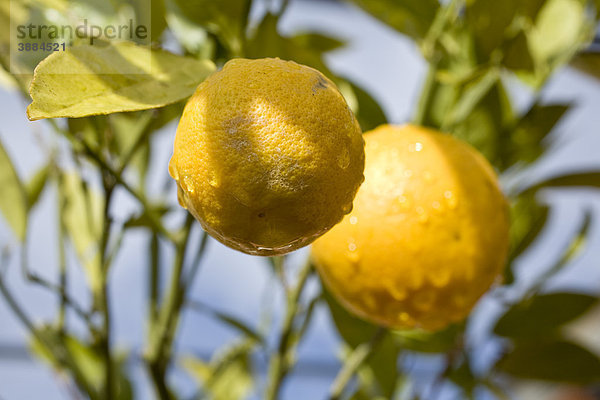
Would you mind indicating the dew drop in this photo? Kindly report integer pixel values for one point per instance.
(418, 146)
(404, 318)
(408, 173)
(403, 201)
(181, 197)
(213, 180)
(343, 160)
(398, 293)
(346, 208)
(440, 278)
(436, 205)
(427, 176)
(353, 220)
(188, 184)
(451, 200)
(352, 247)
(424, 299)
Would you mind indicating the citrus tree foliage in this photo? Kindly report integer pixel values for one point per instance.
(472, 47)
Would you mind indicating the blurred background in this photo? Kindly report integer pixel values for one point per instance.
(389, 66)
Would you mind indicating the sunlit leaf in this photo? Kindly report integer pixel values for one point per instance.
(113, 78)
(485, 125)
(472, 95)
(83, 219)
(558, 27)
(226, 19)
(557, 361)
(36, 185)
(13, 199)
(543, 314)
(410, 17)
(84, 361)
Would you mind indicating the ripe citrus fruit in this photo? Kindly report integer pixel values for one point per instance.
(427, 236)
(267, 155)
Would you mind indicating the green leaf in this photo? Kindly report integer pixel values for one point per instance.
(13, 200)
(379, 375)
(431, 342)
(83, 219)
(113, 78)
(472, 95)
(193, 37)
(320, 43)
(558, 29)
(230, 320)
(463, 377)
(581, 179)
(484, 127)
(588, 62)
(489, 20)
(85, 361)
(543, 314)
(517, 55)
(557, 361)
(226, 19)
(369, 113)
(410, 17)
(144, 219)
(36, 185)
(526, 142)
(527, 218)
(229, 374)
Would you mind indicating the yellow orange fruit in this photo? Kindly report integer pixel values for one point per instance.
(427, 236)
(267, 155)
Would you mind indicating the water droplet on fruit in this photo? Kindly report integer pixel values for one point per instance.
(403, 201)
(397, 292)
(188, 184)
(346, 208)
(418, 146)
(343, 160)
(424, 299)
(213, 180)
(451, 200)
(353, 220)
(404, 318)
(181, 197)
(408, 173)
(440, 278)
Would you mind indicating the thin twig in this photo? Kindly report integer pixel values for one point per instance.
(281, 362)
(356, 359)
